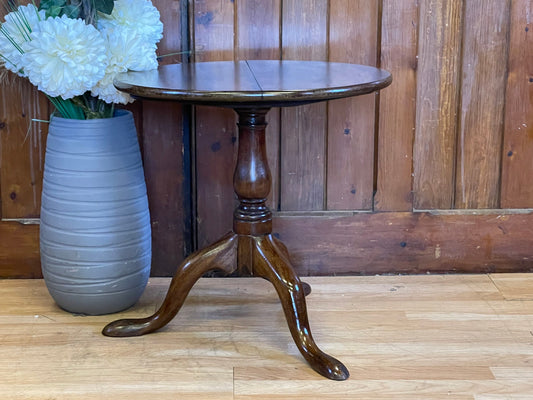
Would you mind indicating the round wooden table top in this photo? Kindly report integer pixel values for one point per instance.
(254, 83)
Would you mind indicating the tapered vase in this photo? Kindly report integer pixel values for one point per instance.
(95, 236)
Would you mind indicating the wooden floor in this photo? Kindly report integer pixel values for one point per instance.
(402, 337)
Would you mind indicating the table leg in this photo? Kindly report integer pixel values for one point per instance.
(259, 251)
(283, 249)
(221, 255)
(271, 263)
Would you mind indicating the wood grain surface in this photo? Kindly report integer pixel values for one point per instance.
(517, 156)
(215, 134)
(397, 105)
(19, 250)
(22, 147)
(303, 152)
(407, 242)
(361, 243)
(484, 70)
(165, 184)
(351, 122)
(402, 337)
(453, 131)
(439, 77)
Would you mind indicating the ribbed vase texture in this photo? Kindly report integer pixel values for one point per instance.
(95, 232)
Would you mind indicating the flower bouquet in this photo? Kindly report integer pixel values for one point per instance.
(72, 49)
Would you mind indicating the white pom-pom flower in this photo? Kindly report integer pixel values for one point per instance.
(126, 50)
(65, 57)
(139, 15)
(105, 90)
(14, 32)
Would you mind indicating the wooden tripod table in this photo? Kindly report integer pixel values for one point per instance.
(251, 88)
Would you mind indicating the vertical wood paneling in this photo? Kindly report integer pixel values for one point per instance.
(22, 143)
(303, 151)
(485, 51)
(258, 29)
(22, 147)
(172, 41)
(216, 143)
(440, 125)
(163, 150)
(438, 80)
(397, 111)
(258, 37)
(351, 122)
(517, 173)
(164, 171)
(213, 28)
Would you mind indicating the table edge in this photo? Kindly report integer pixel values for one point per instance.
(250, 98)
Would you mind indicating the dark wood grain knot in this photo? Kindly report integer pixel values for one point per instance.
(205, 18)
(216, 147)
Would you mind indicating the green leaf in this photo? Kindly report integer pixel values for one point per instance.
(71, 11)
(53, 11)
(67, 108)
(104, 6)
(48, 4)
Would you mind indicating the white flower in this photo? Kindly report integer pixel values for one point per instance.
(105, 90)
(126, 50)
(139, 15)
(14, 32)
(65, 57)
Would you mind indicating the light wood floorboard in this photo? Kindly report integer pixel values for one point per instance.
(431, 337)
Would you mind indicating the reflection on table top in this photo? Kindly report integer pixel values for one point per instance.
(254, 83)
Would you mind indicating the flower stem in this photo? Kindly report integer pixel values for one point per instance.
(67, 108)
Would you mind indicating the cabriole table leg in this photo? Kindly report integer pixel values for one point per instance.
(260, 252)
(221, 255)
(270, 263)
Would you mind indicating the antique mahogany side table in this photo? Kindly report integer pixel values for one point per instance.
(251, 88)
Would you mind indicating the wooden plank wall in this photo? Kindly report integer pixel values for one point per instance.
(382, 183)
(517, 154)
(160, 128)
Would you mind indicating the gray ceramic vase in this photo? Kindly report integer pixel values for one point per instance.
(95, 234)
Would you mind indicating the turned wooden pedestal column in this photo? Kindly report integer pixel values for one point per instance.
(251, 88)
